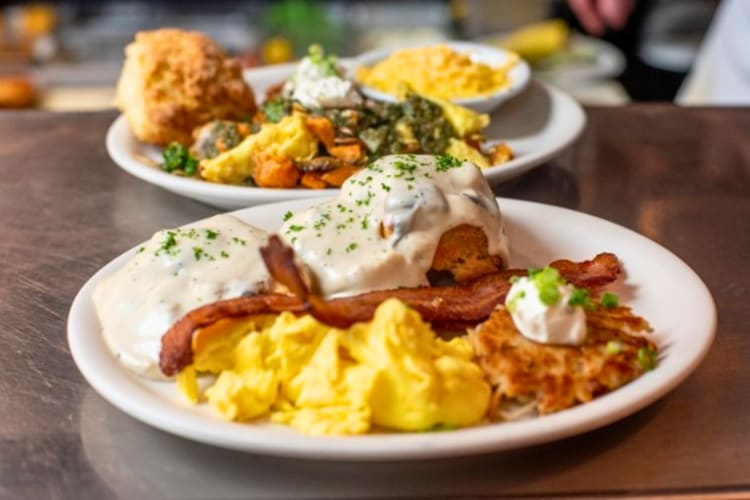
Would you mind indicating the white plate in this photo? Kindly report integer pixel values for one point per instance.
(658, 286)
(538, 124)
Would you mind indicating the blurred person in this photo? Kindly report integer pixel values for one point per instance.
(721, 72)
(596, 16)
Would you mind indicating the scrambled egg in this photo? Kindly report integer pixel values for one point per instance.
(290, 137)
(464, 152)
(464, 120)
(436, 71)
(392, 372)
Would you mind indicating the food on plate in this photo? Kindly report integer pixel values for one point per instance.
(174, 81)
(398, 220)
(436, 71)
(445, 307)
(553, 346)
(392, 372)
(318, 82)
(173, 273)
(354, 317)
(314, 131)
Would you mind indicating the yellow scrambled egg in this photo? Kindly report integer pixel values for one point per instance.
(463, 151)
(437, 71)
(392, 372)
(290, 137)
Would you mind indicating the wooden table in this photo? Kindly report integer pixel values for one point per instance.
(679, 176)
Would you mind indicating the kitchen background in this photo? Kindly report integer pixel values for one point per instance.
(67, 55)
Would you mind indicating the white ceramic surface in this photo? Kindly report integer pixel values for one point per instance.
(537, 125)
(519, 75)
(658, 285)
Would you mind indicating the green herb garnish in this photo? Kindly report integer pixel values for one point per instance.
(177, 157)
(610, 300)
(288, 216)
(547, 281)
(581, 297)
(647, 358)
(275, 109)
(211, 235)
(613, 347)
(447, 162)
(328, 65)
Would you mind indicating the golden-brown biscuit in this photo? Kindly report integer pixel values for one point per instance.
(174, 81)
(463, 252)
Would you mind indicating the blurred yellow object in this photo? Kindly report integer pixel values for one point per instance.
(37, 19)
(536, 41)
(276, 50)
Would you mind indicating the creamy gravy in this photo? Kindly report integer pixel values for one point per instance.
(174, 272)
(383, 229)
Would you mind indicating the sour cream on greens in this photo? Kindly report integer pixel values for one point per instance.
(317, 83)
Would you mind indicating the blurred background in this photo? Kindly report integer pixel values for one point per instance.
(67, 55)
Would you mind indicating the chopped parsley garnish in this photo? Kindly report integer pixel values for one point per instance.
(211, 235)
(224, 254)
(647, 358)
(141, 250)
(385, 187)
(197, 253)
(288, 215)
(610, 300)
(296, 228)
(167, 246)
(447, 162)
(239, 241)
(177, 157)
(275, 109)
(351, 247)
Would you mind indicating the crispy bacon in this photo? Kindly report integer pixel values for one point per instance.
(453, 306)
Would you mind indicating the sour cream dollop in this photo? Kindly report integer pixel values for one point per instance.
(174, 272)
(558, 323)
(318, 83)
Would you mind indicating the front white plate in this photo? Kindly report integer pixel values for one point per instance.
(537, 125)
(658, 285)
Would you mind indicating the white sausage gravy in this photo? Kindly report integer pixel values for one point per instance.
(174, 272)
(417, 198)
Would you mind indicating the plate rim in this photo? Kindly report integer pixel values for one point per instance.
(396, 446)
(119, 144)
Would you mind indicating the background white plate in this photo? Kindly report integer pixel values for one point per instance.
(658, 285)
(538, 124)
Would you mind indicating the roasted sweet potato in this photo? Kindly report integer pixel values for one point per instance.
(337, 176)
(312, 180)
(323, 129)
(500, 154)
(351, 153)
(274, 171)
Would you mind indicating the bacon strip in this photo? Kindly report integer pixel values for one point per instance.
(451, 306)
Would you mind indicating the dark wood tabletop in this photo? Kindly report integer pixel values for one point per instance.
(679, 176)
